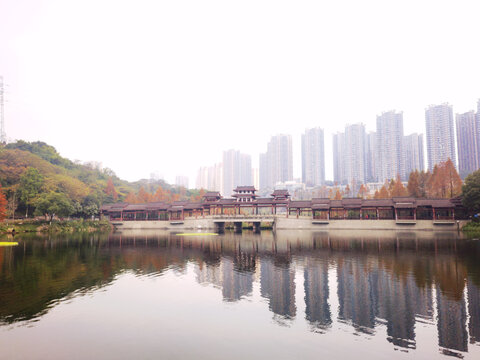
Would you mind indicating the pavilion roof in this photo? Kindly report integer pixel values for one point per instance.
(300, 204)
(436, 203)
(135, 207)
(245, 188)
(264, 201)
(280, 192)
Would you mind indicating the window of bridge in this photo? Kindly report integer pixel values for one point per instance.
(228, 211)
(306, 212)
(282, 210)
(265, 210)
(320, 214)
(386, 214)
(337, 213)
(353, 214)
(369, 214)
(247, 210)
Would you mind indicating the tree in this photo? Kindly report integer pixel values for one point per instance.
(3, 205)
(31, 183)
(471, 192)
(338, 195)
(453, 180)
(398, 188)
(363, 191)
(54, 204)
(143, 196)
(445, 181)
(347, 191)
(413, 186)
(382, 194)
(131, 198)
(110, 190)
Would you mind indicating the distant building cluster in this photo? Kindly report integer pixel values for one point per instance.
(359, 157)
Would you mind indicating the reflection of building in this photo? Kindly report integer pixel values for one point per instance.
(316, 294)
(277, 284)
(235, 284)
(356, 294)
(210, 274)
(397, 298)
(424, 302)
(452, 321)
(474, 311)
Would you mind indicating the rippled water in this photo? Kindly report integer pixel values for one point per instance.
(306, 295)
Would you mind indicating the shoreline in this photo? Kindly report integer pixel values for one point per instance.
(57, 226)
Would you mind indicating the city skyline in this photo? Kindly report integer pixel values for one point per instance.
(211, 77)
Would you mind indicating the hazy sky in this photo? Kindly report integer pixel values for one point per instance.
(166, 86)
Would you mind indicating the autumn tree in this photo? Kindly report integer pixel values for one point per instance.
(383, 193)
(338, 195)
(347, 191)
(111, 191)
(445, 181)
(3, 205)
(31, 183)
(143, 196)
(131, 198)
(398, 189)
(363, 191)
(418, 183)
(453, 180)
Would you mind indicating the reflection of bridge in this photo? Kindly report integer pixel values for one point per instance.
(238, 221)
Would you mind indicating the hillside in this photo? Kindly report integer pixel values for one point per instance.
(31, 171)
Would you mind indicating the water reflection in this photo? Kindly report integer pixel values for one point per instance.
(382, 279)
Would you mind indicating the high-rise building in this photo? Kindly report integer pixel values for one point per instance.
(210, 178)
(237, 171)
(313, 157)
(182, 181)
(349, 155)
(276, 165)
(338, 158)
(370, 156)
(440, 134)
(355, 154)
(390, 160)
(413, 153)
(263, 172)
(467, 145)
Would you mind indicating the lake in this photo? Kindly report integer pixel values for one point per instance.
(288, 295)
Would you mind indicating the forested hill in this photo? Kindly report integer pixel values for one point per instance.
(33, 173)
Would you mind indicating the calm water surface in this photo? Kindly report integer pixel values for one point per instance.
(292, 295)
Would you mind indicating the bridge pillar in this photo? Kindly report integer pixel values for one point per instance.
(256, 226)
(220, 227)
(238, 226)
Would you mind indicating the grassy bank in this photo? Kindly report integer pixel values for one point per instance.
(68, 226)
(472, 227)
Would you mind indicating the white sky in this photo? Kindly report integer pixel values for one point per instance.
(165, 86)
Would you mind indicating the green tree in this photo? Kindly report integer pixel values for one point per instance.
(31, 183)
(471, 192)
(54, 204)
